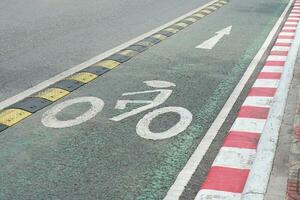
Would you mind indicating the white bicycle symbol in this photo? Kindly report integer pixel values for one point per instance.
(49, 118)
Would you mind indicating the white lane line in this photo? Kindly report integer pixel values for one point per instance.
(45, 84)
(239, 158)
(217, 195)
(186, 173)
(258, 101)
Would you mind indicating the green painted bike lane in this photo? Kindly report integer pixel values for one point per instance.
(105, 159)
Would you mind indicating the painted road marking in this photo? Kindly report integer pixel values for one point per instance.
(272, 69)
(143, 126)
(226, 179)
(258, 101)
(52, 94)
(240, 139)
(161, 97)
(49, 118)
(248, 125)
(90, 70)
(83, 77)
(266, 83)
(186, 173)
(290, 23)
(110, 64)
(128, 52)
(251, 118)
(206, 11)
(210, 43)
(229, 157)
(287, 33)
(279, 48)
(253, 112)
(266, 92)
(12, 116)
(276, 58)
(214, 194)
(199, 15)
(256, 185)
(279, 53)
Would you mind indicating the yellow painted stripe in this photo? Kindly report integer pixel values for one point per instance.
(218, 5)
(212, 7)
(191, 19)
(182, 24)
(10, 117)
(206, 11)
(128, 52)
(52, 94)
(145, 43)
(172, 30)
(107, 64)
(159, 36)
(199, 15)
(83, 77)
(224, 2)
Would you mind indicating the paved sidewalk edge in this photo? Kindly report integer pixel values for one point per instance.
(230, 170)
(293, 182)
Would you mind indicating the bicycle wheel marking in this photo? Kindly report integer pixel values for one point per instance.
(142, 128)
(163, 90)
(49, 118)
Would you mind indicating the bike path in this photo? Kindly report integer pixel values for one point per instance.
(105, 159)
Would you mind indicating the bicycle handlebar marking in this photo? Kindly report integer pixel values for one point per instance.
(142, 128)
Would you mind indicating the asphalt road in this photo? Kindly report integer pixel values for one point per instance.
(106, 159)
(39, 39)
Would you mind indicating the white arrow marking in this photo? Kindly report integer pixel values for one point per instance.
(211, 42)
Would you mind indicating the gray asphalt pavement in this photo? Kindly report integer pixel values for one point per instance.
(39, 39)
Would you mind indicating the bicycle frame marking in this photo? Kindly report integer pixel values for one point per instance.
(142, 128)
(163, 95)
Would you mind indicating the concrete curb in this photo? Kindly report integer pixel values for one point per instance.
(257, 181)
(230, 170)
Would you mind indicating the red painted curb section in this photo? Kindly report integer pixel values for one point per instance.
(229, 172)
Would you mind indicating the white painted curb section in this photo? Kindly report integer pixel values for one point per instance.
(187, 172)
(257, 182)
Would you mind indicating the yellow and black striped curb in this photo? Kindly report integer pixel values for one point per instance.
(26, 107)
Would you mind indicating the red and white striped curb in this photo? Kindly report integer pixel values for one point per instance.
(229, 172)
